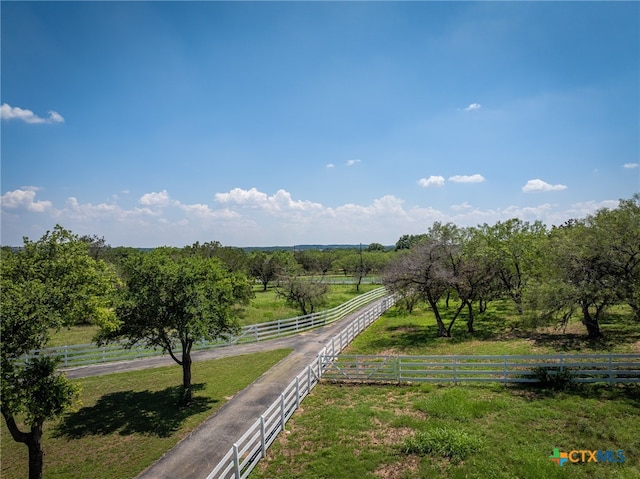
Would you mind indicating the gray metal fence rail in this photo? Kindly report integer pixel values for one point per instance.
(83, 354)
(584, 368)
(247, 451)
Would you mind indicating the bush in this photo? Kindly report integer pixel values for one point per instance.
(558, 379)
(450, 443)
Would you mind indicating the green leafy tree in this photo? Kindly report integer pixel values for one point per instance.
(512, 248)
(305, 293)
(48, 284)
(266, 267)
(172, 300)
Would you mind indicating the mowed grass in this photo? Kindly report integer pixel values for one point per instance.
(126, 421)
(265, 306)
(469, 430)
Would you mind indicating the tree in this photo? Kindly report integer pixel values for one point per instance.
(408, 241)
(48, 284)
(420, 271)
(304, 293)
(376, 247)
(512, 249)
(172, 300)
(266, 267)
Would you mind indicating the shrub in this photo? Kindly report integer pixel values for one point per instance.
(558, 379)
(454, 444)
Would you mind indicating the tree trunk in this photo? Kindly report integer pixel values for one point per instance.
(442, 330)
(33, 441)
(470, 318)
(591, 323)
(36, 454)
(186, 371)
(454, 319)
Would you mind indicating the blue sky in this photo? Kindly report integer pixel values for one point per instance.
(255, 124)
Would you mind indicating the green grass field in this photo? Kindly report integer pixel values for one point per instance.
(126, 421)
(470, 430)
(264, 307)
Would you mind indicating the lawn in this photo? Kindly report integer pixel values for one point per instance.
(126, 421)
(470, 430)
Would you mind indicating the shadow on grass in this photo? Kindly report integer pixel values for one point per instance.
(626, 393)
(500, 323)
(152, 413)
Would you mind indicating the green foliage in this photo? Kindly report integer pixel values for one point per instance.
(305, 293)
(48, 284)
(557, 379)
(37, 391)
(451, 443)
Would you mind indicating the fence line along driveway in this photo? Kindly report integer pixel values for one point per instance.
(85, 354)
(255, 415)
(584, 368)
(250, 447)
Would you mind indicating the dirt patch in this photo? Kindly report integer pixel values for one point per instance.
(398, 469)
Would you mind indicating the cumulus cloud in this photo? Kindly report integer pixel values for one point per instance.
(330, 165)
(155, 199)
(280, 201)
(352, 162)
(630, 165)
(7, 112)
(24, 199)
(467, 178)
(473, 107)
(539, 185)
(431, 181)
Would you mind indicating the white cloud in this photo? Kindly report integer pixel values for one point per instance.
(330, 165)
(280, 201)
(250, 217)
(630, 165)
(155, 199)
(8, 112)
(539, 185)
(24, 199)
(462, 206)
(473, 106)
(467, 178)
(431, 181)
(352, 162)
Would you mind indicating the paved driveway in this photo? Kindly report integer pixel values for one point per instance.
(198, 453)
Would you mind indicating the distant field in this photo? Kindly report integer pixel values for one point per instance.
(470, 430)
(265, 306)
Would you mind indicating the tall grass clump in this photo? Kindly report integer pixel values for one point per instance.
(450, 443)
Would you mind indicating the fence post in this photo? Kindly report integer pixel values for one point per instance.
(505, 370)
(282, 413)
(297, 392)
(236, 461)
(610, 368)
(455, 371)
(263, 440)
(66, 354)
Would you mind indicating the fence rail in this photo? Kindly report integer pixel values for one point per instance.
(584, 368)
(84, 354)
(247, 451)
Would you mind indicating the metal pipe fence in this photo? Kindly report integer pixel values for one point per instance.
(579, 368)
(84, 354)
(247, 451)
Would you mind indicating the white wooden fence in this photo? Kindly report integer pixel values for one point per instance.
(584, 368)
(83, 354)
(247, 451)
